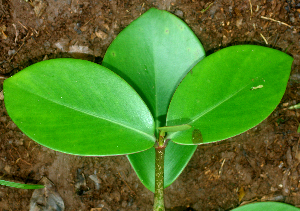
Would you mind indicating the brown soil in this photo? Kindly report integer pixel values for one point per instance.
(261, 163)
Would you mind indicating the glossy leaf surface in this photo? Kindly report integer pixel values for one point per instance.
(266, 206)
(153, 54)
(78, 107)
(228, 93)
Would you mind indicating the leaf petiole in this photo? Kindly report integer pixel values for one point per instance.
(175, 128)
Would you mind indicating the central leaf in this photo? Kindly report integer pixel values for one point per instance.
(153, 54)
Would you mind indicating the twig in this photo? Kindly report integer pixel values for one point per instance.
(142, 8)
(36, 32)
(4, 35)
(20, 157)
(271, 19)
(17, 32)
(23, 25)
(11, 155)
(3, 77)
(17, 151)
(23, 161)
(264, 39)
(16, 52)
(88, 22)
(204, 10)
(275, 41)
(250, 9)
(220, 171)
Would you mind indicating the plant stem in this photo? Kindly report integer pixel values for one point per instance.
(161, 144)
(159, 203)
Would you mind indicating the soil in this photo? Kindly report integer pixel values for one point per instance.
(261, 164)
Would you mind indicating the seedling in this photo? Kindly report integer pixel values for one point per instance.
(155, 98)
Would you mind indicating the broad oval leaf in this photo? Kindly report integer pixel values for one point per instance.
(79, 107)
(228, 93)
(153, 54)
(266, 206)
(144, 163)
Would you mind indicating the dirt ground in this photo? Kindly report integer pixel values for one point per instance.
(261, 164)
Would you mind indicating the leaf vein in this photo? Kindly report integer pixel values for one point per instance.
(92, 114)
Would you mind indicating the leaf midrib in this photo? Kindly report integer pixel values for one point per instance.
(197, 117)
(216, 105)
(90, 114)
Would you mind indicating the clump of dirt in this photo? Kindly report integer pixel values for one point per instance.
(261, 164)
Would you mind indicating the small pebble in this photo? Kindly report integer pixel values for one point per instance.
(11, 52)
(292, 17)
(239, 23)
(7, 168)
(124, 204)
(1, 95)
(179, 13)
(11, 125)
(96, 181)
(102, 35)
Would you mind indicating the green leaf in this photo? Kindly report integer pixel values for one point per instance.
(144, 163)
(20, 185)
(228, 93)
(267, 206)
(78, 107)
(153, 54)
